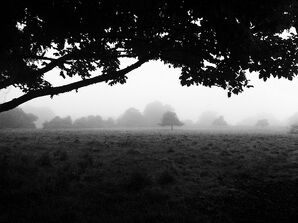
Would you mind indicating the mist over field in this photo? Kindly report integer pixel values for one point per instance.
(274, 99)
(110, 151)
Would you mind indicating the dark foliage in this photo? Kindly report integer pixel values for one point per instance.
(79, 37)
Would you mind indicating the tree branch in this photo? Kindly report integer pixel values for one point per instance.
(75, 55)
(54, 62)
(68, 87)
(34, 57)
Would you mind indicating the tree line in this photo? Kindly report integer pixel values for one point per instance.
(17, 118)
(151, 116)
(155, 114)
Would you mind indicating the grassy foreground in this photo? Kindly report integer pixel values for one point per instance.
(147, 176)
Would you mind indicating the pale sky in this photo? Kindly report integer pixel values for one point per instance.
(155, 81)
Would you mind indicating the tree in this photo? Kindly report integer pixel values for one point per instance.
(170, 119)
(43, 113)
(154, 111)
(108, 123)
(207, 118)
(220, 122)
(253, 120)
(213, 42)
(58, 123)
(294, 129)
(131, 118)
(188, 123)
(262, 123)
(17, 118)
(293, 119)
(89, 122)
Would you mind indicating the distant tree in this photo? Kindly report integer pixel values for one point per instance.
(58, 123)
(207, 118)
(43, 113)
(131, 118)
(90, 121)
(77, 38)
(110, 122)
(17, 118)
(293, 119)
(154, 111)
(219, 122)
(188, 123)
(253, 120)
(294, 129)
(170, 119)
(262, 123)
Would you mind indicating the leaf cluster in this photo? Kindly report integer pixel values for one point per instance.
(213, 42)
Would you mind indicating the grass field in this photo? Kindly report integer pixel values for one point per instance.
(148, 176)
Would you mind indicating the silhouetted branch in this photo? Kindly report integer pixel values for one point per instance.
(34, 57)
(68, 87)
(16, 80)
(66, 59)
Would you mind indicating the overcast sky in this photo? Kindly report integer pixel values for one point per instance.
(155, 81)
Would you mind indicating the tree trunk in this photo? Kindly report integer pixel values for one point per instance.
(172, 127)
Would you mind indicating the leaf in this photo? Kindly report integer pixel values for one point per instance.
(62, 74)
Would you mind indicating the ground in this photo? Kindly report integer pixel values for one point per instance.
(148, 176)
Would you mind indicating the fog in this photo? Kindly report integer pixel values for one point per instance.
(274, 99)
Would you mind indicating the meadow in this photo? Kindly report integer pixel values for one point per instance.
(148, 176)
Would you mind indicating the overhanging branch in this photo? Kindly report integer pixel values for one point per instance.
(53, 63)
(68, 87)
(16, 80)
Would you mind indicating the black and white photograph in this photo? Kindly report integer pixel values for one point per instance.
(148, 111)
